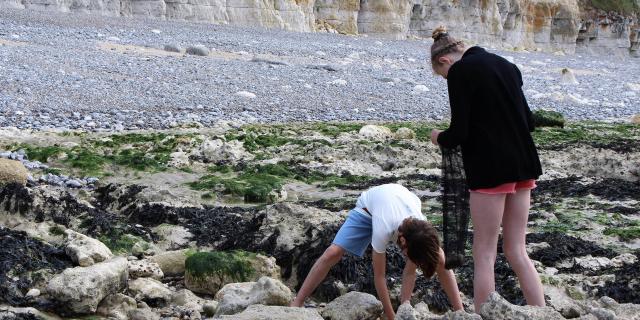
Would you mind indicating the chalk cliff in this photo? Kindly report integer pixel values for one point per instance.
(550, 25)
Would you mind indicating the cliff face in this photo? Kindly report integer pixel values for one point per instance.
(552, 25)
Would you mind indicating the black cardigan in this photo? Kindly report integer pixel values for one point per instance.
(491, 120)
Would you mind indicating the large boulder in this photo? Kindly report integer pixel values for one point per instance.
(353, 305)
(497, 308)
(171, 262)
(79, 290)
(85, 251)
(375, 132)
(12, 171)
(261, 312)
(186, 298)
(236, 297)
(208, 272)
(151, 291)
(145, 269)
(117, 306)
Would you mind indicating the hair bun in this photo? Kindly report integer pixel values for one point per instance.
(439, 32)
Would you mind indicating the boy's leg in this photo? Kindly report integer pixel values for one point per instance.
(514, 226)
(486, 214)
(318, 272)
(449, 284)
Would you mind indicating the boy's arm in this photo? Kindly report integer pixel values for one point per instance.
(408, 281)
(380, 281)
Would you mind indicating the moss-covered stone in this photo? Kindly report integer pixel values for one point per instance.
(208, 272)
(546, 118)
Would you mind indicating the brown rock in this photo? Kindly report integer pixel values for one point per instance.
(12, 171)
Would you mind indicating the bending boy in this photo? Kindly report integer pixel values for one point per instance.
(384, 214)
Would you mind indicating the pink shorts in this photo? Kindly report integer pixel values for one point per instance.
(510, 187)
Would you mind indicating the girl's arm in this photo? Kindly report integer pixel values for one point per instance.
(530, 123)
(459, 98)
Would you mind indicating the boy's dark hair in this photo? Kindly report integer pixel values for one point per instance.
(422, 243)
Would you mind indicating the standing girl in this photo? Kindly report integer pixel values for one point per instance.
(491, 121)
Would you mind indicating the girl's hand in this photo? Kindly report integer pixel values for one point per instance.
(434, 136)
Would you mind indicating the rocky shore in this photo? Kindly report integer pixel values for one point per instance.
(225, 222)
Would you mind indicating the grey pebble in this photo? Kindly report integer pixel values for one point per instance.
(198, 50)
(172, 48)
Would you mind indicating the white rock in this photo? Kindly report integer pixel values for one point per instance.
(117, 306)
(150, 291)
(145, 269)
(172, 236)
(85, 251)
(497, 308)
(236, 297)
(624, 259)
(246, 94)
(171, 262)
(420, 88)
(188, 299)
(81, 289)
(375, 132)
(33, 293)
(156, 31)
(353, 305)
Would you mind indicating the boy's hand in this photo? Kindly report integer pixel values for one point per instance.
(434, 136)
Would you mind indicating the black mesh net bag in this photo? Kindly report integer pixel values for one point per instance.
(455, 207)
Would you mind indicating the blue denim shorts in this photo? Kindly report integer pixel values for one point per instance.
(354, 235)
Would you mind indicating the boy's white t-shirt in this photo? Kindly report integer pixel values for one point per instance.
(389, 205)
